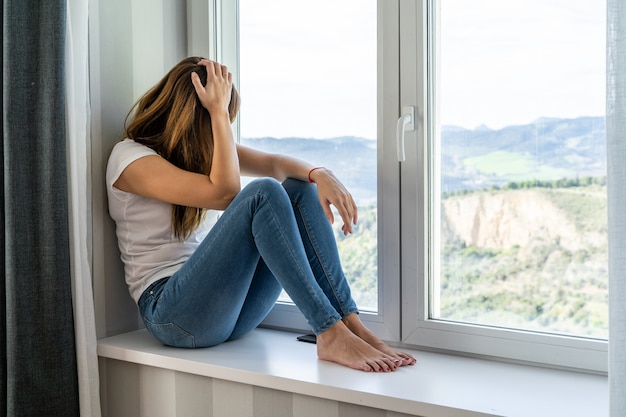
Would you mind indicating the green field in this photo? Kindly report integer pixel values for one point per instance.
(512, 166)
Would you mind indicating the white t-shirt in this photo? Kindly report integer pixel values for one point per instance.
(149, 250)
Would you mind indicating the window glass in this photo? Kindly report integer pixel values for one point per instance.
(309, 89)
(520, 208)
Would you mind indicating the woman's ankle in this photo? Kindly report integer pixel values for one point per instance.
(355, 325)
(332, 332)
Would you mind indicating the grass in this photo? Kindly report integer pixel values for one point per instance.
(512, 166)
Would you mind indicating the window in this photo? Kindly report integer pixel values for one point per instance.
(308, 95)
(310, 86)
(513, 260)
(522, 162)
(490, 238)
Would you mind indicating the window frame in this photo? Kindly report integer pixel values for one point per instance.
(419, 83)
(386, 323)
(407, 77)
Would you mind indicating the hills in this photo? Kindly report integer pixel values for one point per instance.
(471, 159)
(547, 149)
(527, 258)
(514, 252)
(352, 159)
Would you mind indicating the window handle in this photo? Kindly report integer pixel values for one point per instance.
(405, 122)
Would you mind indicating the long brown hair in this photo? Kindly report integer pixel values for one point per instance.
(170, 119)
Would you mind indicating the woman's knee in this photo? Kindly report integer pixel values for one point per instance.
(263, 187)
(267, 185)
(297, 189)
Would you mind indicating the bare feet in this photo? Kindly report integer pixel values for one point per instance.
(354, 323)
(338, 344)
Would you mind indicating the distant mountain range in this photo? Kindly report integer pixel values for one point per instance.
(547, 149)
(352, 159)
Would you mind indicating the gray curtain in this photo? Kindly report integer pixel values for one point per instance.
(38, 353)
(616, 148)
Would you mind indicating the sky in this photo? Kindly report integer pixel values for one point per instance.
(513, 61)
(308, 68)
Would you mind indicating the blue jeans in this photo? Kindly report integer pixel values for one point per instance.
(272, 236)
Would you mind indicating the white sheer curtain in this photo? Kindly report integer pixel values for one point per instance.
(616, 147)
(79, 198)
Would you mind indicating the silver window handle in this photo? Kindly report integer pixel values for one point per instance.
(405, 122)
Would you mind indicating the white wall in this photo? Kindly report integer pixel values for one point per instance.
(132, 45)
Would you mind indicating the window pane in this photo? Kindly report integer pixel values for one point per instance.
(521, 205)
(308, 84)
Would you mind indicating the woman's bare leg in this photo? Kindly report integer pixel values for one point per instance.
(340, 345)
(354, 323)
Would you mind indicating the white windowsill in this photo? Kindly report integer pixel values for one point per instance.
(438, 385)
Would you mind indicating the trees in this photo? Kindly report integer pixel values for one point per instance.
(545, 285)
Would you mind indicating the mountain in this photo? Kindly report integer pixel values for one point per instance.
(547, 149)
(352, 159)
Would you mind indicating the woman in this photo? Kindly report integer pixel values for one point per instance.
(202, 277)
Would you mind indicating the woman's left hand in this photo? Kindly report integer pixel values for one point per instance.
(332, 192)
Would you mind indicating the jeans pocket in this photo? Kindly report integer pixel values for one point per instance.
(170, 334)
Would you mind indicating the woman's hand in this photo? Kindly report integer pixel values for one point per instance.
(215, 95)
(332, 192)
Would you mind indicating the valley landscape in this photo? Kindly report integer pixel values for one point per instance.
(523, 222)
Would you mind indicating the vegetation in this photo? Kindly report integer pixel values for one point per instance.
(527, 184)
(553, 279)
(544, 285)
(359, 256)
(547, 289)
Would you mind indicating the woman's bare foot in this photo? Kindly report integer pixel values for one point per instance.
(354, 323)
(339, 344)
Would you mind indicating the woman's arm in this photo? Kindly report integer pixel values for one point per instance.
(215, 97)
(330, 190)
(155, 177)
(255, 163)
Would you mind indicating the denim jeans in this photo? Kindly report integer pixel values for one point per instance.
(272, 236)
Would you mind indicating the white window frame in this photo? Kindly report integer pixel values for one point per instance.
(212, 25)
(407, 29)
(419, 83)
(386, 323)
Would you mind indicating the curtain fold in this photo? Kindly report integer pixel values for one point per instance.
(616, 160)
(79, 197)
(39, 371)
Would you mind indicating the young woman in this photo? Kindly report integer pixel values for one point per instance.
(201, 276)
